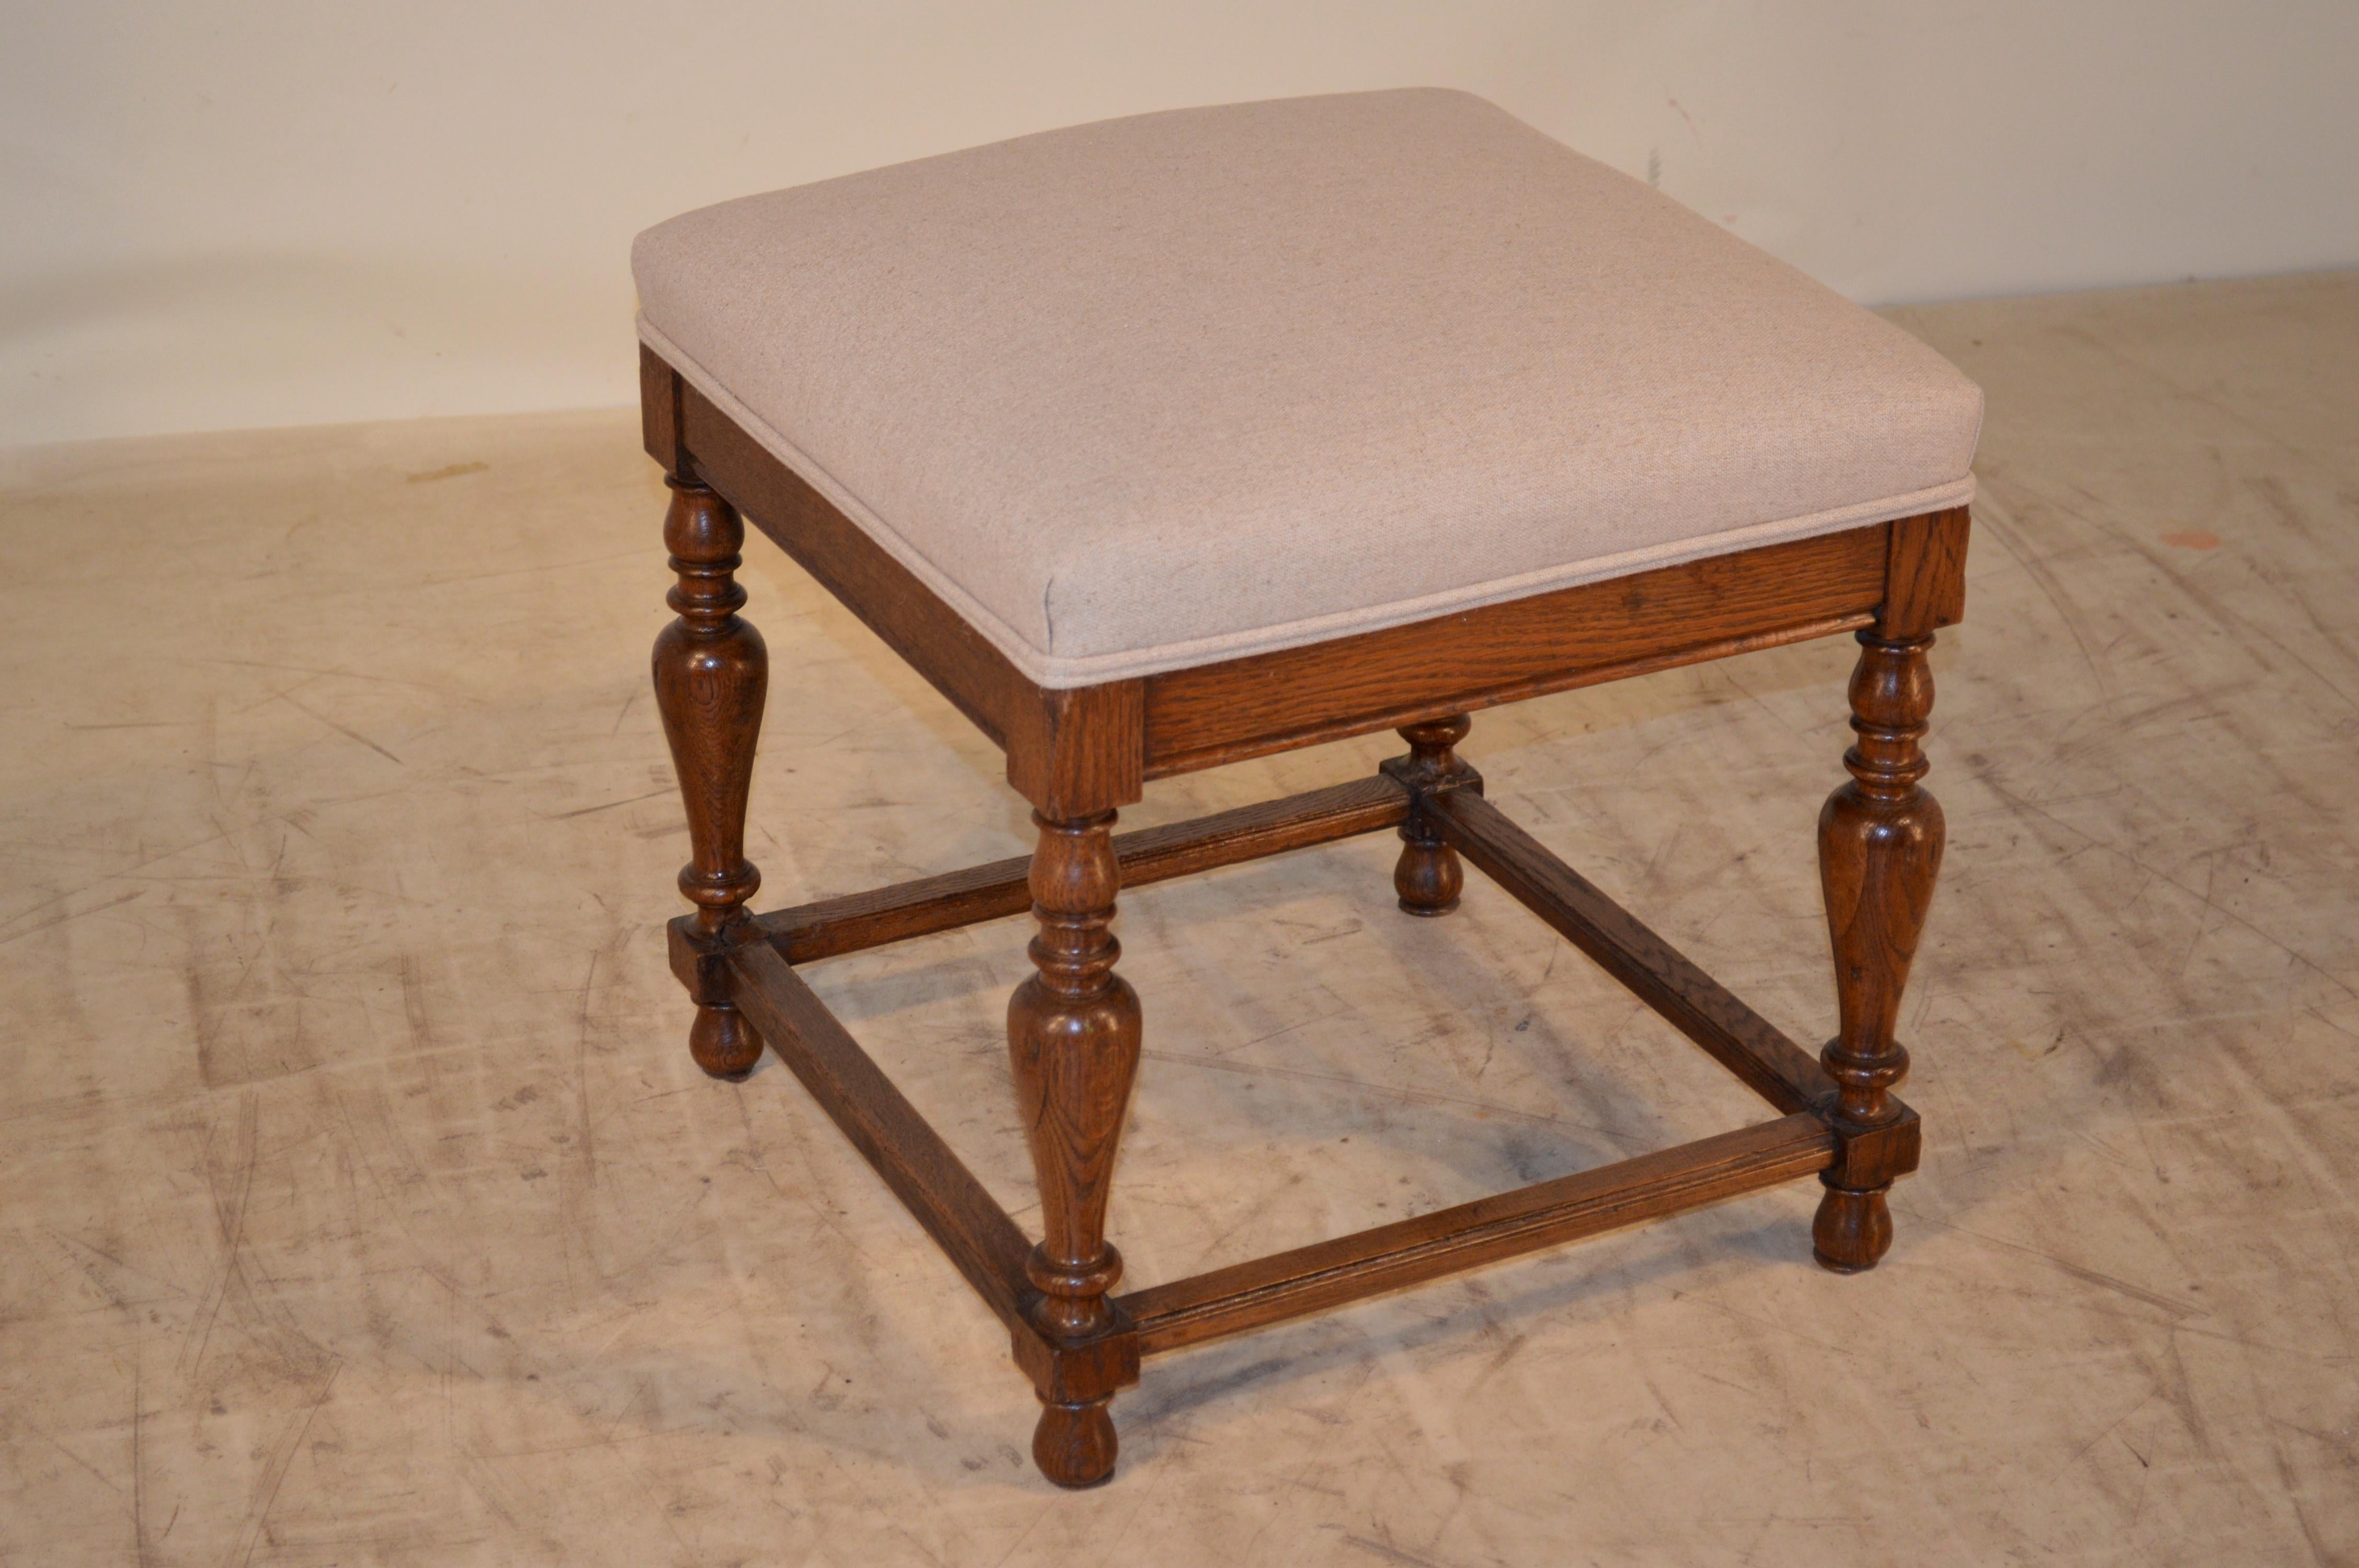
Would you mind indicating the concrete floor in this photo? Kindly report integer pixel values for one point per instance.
(361, 1205)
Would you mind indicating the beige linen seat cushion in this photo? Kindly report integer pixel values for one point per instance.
(1166, 390)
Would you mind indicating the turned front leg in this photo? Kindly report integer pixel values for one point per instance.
(1427, 876)
(1879, 850)
(710, 672)
(1072, 1037)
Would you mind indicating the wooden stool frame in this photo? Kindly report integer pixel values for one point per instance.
(1079, 756)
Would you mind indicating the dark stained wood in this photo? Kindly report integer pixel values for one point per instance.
(1217, 713)
(1925, 575)
(858, 921)
(931, 1182)
(1075, 754)
(659, 411)
(1073, 1043)
(1694, 1003)
(1328, 1273)
(1880, 839)
(1504, 653)
(710, 672)
(1428, 877)
(929, 636)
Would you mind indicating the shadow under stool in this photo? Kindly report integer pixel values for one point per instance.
(1172, 440)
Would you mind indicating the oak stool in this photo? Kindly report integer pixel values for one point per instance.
(1177, 439)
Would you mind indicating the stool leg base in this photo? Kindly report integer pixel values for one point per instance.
(1880, 839)
(1074, 1444)
(724, 1044)
(712, 674)
(1423, 912)
(1852, 1230)
(1073, 1048)
(1428, 877)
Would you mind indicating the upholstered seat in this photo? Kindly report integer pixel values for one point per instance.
(1162, 390)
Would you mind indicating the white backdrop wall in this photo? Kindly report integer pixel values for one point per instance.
(243, 213)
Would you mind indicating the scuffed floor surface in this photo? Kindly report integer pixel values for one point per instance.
(361, 1205)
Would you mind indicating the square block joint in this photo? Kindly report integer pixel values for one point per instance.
(1871, 1157)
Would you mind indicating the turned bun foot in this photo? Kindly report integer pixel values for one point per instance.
(1427, 876)
(1852, 1230)
(1074, 1444)
(724, 1044)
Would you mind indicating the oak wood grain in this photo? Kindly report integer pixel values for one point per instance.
(1074, 1027)
(1504, 653)
(1074, 753)
(710, 672)
(828, 927)
(1351, 1267)
(1880, 839)
(1073, 1048)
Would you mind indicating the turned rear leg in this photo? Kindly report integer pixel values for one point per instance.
(1427, 876)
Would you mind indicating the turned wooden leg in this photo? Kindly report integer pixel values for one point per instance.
(1427, 876)
(1072, 1035)
(710, 672)
(1879, 850)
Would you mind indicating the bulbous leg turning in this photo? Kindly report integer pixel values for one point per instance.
(724, 1044)
(1073, 1044)
(1879, 851)
(1427, 876)
(712, 673)
(1852, 1230)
